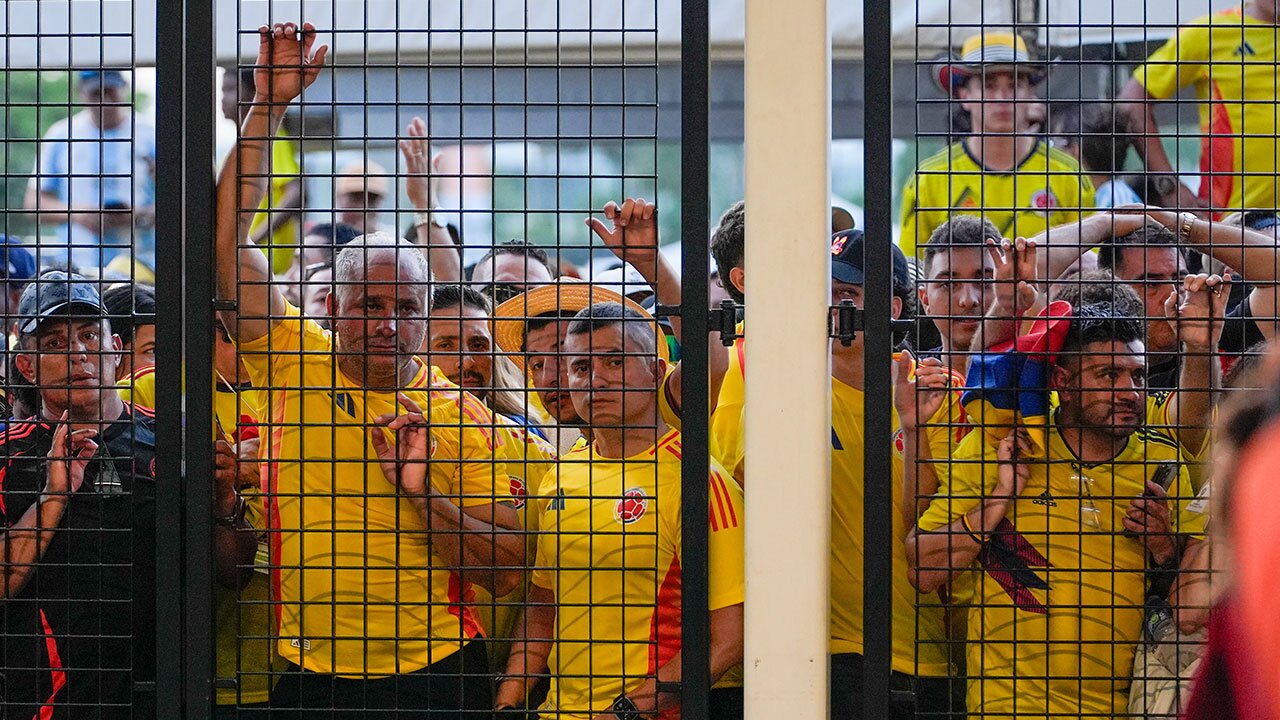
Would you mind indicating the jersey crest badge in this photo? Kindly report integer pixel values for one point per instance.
(518, 492)
(633, 505)
(1044, 200)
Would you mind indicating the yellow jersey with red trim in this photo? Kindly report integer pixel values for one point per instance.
(1230, 59)
(919, 624)
(727, 433)
(360, 591)
(610, 548)
(1061, 589)
(1047, 188)
(527, 459)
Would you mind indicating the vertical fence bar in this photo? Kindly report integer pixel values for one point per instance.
(694, 212)
(788, 366)
(170, 84)
(878, 343)
(196, 242)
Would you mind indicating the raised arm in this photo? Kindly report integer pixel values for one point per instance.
(1017, 294)
(285, 66)
(1198, 320)
(1252, 253)
(1138, 104)
(632, 234)
(444, 256)
(917, 400)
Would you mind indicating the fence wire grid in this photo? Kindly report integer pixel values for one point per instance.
(376, 360)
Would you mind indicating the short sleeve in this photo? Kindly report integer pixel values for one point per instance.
(961, 483)
(1179, 62)
(908, 239)
(281, 348)
(53, 167)
(725, 541)
(667, 400)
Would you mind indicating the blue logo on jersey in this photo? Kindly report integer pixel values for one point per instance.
(1245, 49)
(558, 502)
(345, 403)
(835, 441)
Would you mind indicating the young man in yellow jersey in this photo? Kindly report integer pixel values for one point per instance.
(460, 347)
(728, 248)
(921, 667)
(372, 559)
(1065, 534)
(1003, 170)
(604, 613)
(1230, 57)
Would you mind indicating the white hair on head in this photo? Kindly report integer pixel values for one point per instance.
(349, 264)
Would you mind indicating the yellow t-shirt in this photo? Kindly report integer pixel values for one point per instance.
(727, 434)
(919, 623)
(610, 550)
(284, 170)
(1060, 609)
(242, 620)
(359, 588)
(1230, 58)
(527, 458)
(1047, 188)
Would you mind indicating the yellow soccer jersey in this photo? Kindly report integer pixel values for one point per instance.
(360, 590)
(610, 550)
(1061, 590)
(1230, 58)
(1047, 188)
(527, 458)
(919, 626)
(727, 436)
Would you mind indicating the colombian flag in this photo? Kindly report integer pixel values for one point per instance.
(1008, 384)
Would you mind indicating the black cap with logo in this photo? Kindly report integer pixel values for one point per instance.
(57, 293)
(846, 259)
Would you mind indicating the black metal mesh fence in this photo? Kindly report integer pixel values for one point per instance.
(434, 368)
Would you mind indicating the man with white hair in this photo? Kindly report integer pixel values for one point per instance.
(374, 548)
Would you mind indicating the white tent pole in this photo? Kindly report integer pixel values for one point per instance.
(788, 406)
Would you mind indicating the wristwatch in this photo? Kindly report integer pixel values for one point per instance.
(235, 518)
(1186, 222)
(624, 709)
(421, 218)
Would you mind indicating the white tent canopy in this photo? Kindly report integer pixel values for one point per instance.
(57, 34)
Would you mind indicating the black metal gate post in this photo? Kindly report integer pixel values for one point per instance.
(878, 357)
(197, 243)
(171, 30)
(694, 212)
(184, 264)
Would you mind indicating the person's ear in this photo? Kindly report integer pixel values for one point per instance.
(1057, 377)
(26, 365)
(659, 368)
(738, 277)
(328, 305)
(923, 296)
(897, 307)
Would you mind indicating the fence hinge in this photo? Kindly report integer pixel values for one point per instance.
(846, 320)
(724, 320)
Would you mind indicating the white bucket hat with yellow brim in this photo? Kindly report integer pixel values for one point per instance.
(987, 52)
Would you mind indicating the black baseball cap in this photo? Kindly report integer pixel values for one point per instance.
(55, 293)
(846, 259)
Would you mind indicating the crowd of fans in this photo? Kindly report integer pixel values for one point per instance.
(445, 491)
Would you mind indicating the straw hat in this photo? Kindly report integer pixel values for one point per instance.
(989, 51)
(566, 296)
